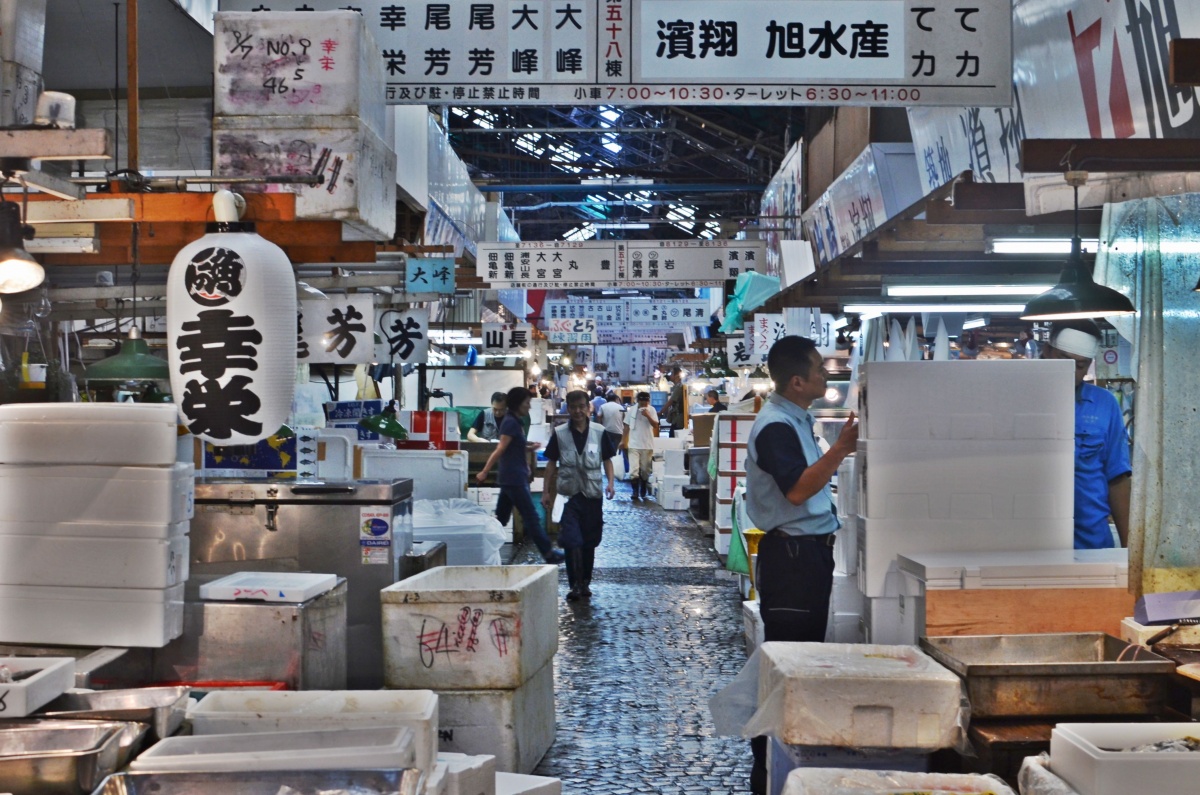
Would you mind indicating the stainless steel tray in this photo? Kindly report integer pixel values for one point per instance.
(161, 708)
(59, 757)
(309, 782)
(1087, 673)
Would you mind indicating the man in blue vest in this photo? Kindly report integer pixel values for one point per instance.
(1102, 473)
(789, 498)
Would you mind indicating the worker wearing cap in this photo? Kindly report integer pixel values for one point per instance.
(1102, 472)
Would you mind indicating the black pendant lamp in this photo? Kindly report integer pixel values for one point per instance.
(1077, 295)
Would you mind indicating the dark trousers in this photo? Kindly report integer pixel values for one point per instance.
(794, 580)
(520, 498)
(580, 563)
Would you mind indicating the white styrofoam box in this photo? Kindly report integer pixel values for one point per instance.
(326, 749)
(1133, 632)
(785, 761)
(160, 531)
(23, 32)
(731, 457)
(469, 775)
(669, 502)
(968, 480)
(358, 165)
(335, 453)
(847, 487)
(269, 586)
(537, 411)
(684, 437)
(517, 784)
(515, 726)
(93, 562)
(893, 620)
(20, 87)
(488, 498)
(1010, 400)
(115, 434)
(658, 470)
(725, 485)
(1093, 758)
(1038, 568)
(539, 433)
(844, 628)
(464, 627)
(722, 538)
(662, 443)
(885, 782)
(250, 711)
(734, 427)
(436, 474)
(858, 695)
(58, 615)
(436, 780)
(753, 625)
(1036, 778)
(54, 494)
(676, 482)
(882, 540)
(845, 596)
(723, 513)
(472, 536)
(291, 69)
(845, 549)
(673, 463)
(55, 675)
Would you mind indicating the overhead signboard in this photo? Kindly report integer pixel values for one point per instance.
(624, 313)
(338, 330)
(404, 332)
(896, 53)
(568, 331)
(559, 265)
(429, 275)
(506, 338)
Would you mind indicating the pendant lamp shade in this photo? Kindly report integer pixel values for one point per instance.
(384, 424)
(1077, 295)
(19, 271)
(231, 318)
(133, 362)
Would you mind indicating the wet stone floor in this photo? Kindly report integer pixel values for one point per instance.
(636, 666)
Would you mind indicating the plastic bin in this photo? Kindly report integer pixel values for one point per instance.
(58, 615)
(55, 676)
(334, 749)
(472, 534)
(265, 711)
(1091, 757)
(97, 494)
(111, 434)
(782, 760)
(93, 562)
(470, 627)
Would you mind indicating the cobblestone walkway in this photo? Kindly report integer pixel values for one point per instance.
(636, 667)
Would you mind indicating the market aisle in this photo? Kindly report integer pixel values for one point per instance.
(635, 667)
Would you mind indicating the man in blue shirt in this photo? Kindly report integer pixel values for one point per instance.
(1102, 472)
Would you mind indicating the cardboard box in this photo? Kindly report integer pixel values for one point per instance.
(702, 429)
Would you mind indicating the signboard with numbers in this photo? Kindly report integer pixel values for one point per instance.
(432, 275)
(580, 331)
(612, 263)
(339, 330)
(506, 338)
(622, 313)
(770, 52)
(405, 334)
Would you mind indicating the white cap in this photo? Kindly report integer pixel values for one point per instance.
(1077, 343)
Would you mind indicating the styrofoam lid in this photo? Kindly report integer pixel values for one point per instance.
(90, 412)
(269, 586)
(71, 593)
(91, 472)
(1030, 563)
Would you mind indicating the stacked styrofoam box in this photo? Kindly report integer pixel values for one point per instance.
(963, 456)
(897, 617)
(94, 517)
(484, 638)
(516, 784)
(303, 93)
(22, 37)
(469, 775)
(669, 492)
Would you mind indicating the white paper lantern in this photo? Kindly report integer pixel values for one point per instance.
(231, 317)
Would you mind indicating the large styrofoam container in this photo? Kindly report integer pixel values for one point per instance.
(269, 586)
(436, 474)
(469, 775)
(1007, 400)
(1092, 758)
(23, 32)
(724, 485)
(731, 457)
(673, 465)
(845, 597)
(333, 52)
(515, 726)
(96, 494)
(1039, 568)
(473, 536)
(782, 760)
(845, 549)
(733, 427)
(517, 784)
(844, 628)
(1036, 778)
(1133, 632)
(888, 782)
(358, 165)
(892, 620)
(436, 780)
(467, 627)
(55, 675)
(243, 711)
(93, 562)
(158, 531)
(858, 695)
(378, 747)
(57, 615)
(112, 434)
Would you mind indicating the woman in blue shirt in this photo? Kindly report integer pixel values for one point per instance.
(513, 476)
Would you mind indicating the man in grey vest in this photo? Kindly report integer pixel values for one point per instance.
(788, 497)
(576, 454)
(487, 425)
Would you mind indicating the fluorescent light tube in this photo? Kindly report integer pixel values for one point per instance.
(964, 290)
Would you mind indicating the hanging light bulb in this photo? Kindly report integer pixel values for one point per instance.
(42, 309)
(19, 271)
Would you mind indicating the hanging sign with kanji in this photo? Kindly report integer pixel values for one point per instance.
(336, 331)
(506, 338)
(895, 53)
(405, 334)
(429, 276)
(740, 353)
(768, 329)
(578, 331)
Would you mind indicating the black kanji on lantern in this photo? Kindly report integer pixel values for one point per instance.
(214, 275)
(341, 336)
(217, 341)
(220, 411)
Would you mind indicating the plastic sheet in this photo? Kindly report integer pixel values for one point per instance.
(846, 695)
(459, 522)
(833, 781)
(1035, 778)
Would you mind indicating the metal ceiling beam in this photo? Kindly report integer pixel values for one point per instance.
(653, 187)
(558, 130)
(706, 124)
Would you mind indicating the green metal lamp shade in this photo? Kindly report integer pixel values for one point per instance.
(1077, 295)
(133, 363)
(384, 424)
